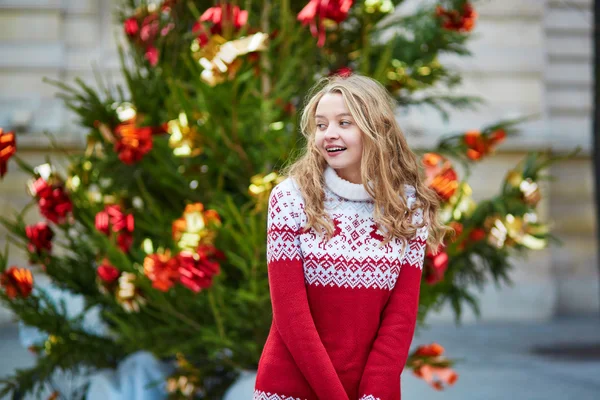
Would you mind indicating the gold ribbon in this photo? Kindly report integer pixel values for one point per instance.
(219, 57)
(184, 140)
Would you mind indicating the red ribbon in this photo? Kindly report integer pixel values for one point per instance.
(454, 20)
(336, 10)
(479, 145)
(54, 203)
(233, 14)
(107, 272)
(196, 270)
(133, 142)
(435, 266)
(40, 237)
(162, 270)
(17, 282)
(113, 219)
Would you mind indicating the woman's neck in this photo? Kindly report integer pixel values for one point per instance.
(345, 188)
(352, 176)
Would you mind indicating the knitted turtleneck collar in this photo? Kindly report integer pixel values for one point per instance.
(344, 188)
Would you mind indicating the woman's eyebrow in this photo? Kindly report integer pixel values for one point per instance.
(339, 115)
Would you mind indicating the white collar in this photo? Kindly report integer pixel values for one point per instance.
(344, 188)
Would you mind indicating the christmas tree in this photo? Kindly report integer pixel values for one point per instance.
(160, 223)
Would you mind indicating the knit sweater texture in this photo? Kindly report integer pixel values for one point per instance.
(344, 310)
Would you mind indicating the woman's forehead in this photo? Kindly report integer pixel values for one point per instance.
(332, 105)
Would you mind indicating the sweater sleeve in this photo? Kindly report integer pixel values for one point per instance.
(381, 376)
(291, 313)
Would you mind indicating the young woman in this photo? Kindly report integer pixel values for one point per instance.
(346, 239)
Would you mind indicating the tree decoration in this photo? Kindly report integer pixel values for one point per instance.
(344, 72)
(131, 27)
(196, 226)
(186, 382)
(48, 189)
(197, 269)
(185, 139)
(429, 364)
(261, 186)
(107, 273)
(379, 6)
(132, 142)
(460, 205)
(479, 145)
(145, 27)
(17, 282)
(224, 17)
(128, 295)
(455, 20)
(440, 175)
(114, 223)
(317, 12)
(511, 230)
(434, 267)
(162, 270)
(51, 342)
(8, 147)
(530, 191)
(40, 238)
(220, 58)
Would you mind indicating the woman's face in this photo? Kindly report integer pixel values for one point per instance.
(338, 138)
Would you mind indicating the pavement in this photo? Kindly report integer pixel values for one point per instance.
(552, 360)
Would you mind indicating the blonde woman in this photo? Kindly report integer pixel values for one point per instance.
(347, 232)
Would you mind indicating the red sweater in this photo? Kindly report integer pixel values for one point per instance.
(344, 311)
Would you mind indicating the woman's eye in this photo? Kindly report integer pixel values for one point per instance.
(320, 125)
(345, 122)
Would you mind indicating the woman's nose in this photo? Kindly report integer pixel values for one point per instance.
(331, 133)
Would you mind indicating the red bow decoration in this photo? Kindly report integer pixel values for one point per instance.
(132, 142)
(435, 266)
(107, 272)
(233, 15)
(40, 238)
(53, 200)
(196, 270)
(162, 270)
(428, 363)
(7, 149)
(144, 35)
(453, 20)
(225, 14)
(17, 282)
(113, 219)
(131, 26)
(336, 10)
(479, 145)
(151, 55)
(343, 72)
(437, 377)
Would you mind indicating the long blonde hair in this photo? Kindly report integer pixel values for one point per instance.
(386, 161)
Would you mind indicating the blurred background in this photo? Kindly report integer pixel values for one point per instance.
(532, 57)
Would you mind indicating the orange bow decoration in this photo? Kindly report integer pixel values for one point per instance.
(17, 282)
(440, 175)
(7, 149)
(479, 145)
(428, 363)
(437, 377)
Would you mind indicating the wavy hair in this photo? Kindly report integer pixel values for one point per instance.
(386, 161)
